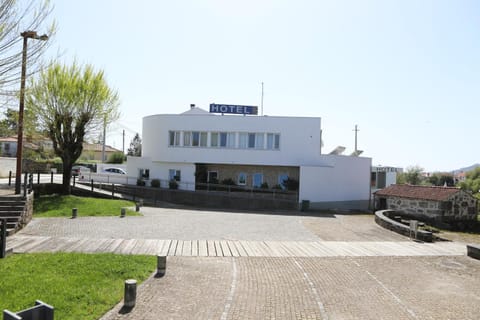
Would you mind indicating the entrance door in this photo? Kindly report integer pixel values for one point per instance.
(212, 177)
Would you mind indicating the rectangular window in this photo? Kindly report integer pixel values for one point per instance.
(212, 177)
(242, 179)
(144, 173)
(269, 141)
(174, 138)
(282, 178)
(195, 139)
(251, 140)
(214, 139)
(231, 140)
(174, 174)
(276, 145)
(187, 139)
(259, 137)
(223, 139)
(257, 180)
(242, 140)
(203, 139)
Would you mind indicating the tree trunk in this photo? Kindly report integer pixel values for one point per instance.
(67, 175)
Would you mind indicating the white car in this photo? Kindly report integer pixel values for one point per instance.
(114, 170)
(80, 170)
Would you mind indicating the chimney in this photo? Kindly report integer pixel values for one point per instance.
(192, 106)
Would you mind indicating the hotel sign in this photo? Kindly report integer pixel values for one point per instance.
(233, 109)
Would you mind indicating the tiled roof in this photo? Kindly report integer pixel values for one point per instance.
(8, 139)
(418, 192)
(98, 147)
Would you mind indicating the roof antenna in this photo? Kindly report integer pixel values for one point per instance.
(261, 105)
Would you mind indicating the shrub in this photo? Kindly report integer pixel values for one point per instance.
(264, 186)
(228, 182)
(117, 157)
(172, 184)
(155, 183)
(291, 184)
(140, 182)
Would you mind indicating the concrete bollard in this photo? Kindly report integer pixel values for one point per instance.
(130, 293)
(74, 213)
(161, 266)
(123, 212)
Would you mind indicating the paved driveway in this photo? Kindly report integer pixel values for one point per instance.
(296, 286)
(181, 224)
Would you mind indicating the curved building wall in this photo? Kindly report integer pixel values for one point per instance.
(300, 139)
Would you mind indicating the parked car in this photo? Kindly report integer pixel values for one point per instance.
(78, 170)
(114, 170)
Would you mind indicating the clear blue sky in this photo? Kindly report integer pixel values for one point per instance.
(407, 72)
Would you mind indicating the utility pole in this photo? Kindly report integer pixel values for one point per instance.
(18, 172)
(123, 141)
(104, 138)
(356, 131)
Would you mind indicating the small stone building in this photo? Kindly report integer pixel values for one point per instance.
(435, 204)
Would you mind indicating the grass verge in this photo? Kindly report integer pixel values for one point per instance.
(78, 286)
(61, 206)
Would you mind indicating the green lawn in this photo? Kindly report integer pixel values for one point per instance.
(78, 286)
(61, 206)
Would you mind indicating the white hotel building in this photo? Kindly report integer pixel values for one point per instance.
(251, 150)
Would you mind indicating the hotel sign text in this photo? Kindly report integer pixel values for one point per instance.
(235, 109)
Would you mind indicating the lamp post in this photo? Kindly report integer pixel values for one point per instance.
(18, 173)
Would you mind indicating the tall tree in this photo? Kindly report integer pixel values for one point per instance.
(9, 123)
(472, 181)
(135, 146)
(15, 18)
(413, 175)
(72, 103)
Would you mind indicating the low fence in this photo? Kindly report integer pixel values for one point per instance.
(187, 193)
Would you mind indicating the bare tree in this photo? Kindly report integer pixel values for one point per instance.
(16, 17)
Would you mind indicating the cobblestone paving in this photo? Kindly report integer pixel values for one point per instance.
(349, 228)
(311, 288)
(167, 223)
(161, 223)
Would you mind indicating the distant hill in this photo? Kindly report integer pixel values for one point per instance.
(466, 169)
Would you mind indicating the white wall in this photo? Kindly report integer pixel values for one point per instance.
(299, 139)
(7, 165)
(346, 179)
(160, 170)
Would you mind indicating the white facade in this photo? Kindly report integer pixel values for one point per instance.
(174, 143)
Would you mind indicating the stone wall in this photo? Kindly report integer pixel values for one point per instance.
(423, 209)
(460, 207)
(27, 213)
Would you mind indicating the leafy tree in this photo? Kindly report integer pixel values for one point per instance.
(439, 179)
(15, 18)
(413, 175)
(472, 181)
(71, 103)
(9, 123)
(135, 146)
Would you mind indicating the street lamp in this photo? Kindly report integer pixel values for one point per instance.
(18, 173)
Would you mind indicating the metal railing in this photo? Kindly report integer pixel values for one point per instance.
(115, 183)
